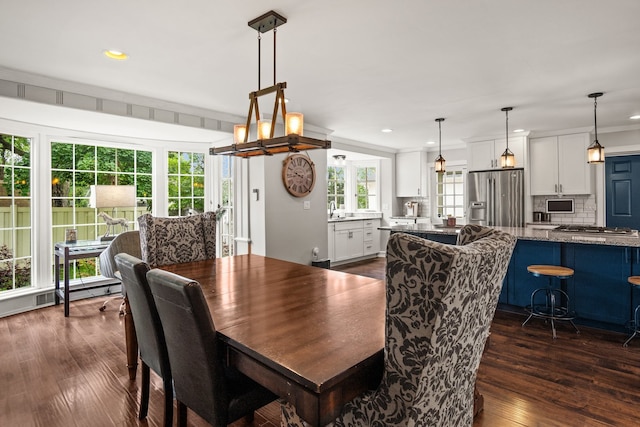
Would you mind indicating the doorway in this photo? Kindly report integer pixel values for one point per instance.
(622, 189)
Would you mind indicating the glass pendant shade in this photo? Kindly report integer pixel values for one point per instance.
(595, 153)
(239, 133)
(440, 164)
(264, 129)
(507, 159)
(294, 123)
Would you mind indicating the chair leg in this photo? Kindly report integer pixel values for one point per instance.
(144, 395)
(168, 403)
(182, 414)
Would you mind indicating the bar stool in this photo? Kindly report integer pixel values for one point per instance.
(635, 322)
(556, 301)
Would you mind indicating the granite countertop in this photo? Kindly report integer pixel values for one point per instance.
(359, 217)
(527, 233)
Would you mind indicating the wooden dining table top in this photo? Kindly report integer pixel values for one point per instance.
(313, 336)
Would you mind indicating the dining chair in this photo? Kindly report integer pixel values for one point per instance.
(174, 240)
(202, 382)
(151, 340)
(440, 303)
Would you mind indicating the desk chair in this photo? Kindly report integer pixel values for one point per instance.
(151, 341)
(440, 303)
(202, 382)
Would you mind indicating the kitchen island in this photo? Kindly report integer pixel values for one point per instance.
(602, 261)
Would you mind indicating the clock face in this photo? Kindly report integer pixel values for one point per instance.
(298, 175)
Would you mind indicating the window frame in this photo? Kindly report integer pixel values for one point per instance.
(451, 167)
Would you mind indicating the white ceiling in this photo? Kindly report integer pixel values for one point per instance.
(354, 67)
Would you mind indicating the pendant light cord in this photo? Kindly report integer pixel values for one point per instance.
(595, 116)
(274, 53)
(507, 127)
(440, 137)
(259, 58)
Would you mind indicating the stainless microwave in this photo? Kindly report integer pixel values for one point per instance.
(560, 205)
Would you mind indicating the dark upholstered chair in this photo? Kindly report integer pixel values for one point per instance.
(202, 383)
(174, 240)
(440, 303)
(151, 341)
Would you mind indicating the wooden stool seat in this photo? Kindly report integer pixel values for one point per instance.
(555, 305)
(635, 322)
(550, 270)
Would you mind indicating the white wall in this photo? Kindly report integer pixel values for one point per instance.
(280, 226)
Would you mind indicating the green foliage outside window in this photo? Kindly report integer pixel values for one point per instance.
(185, 182)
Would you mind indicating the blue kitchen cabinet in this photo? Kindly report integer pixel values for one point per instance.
(520, 283)
(634, 291)
(599, 289)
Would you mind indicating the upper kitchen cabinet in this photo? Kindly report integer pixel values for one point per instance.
(483, 155)
(411, 174)
(559, 165)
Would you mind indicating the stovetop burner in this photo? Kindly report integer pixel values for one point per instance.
(593, 229)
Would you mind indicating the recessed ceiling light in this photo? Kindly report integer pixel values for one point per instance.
(116, 54)
(431, 142)
(518, 130)
(636, 117)
(387, 130)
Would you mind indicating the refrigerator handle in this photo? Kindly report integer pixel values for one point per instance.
(490, 202)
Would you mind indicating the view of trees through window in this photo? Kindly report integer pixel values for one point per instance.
(366, 187)
(15, 212)
(335, 186)
(74, 168)
(186, 183)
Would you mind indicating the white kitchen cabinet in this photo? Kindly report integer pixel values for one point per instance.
(558, 165)
(411, 174)
(371, 236)
(484, 155)
(348, 240)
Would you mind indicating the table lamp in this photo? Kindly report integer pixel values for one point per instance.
(112, 196)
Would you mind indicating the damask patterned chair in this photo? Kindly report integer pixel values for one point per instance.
(174, 240)
(440, 303)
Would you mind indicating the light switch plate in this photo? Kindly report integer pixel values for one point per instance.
(307, 204)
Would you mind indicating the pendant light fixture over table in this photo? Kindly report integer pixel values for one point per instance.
(507, 159)
(440, 162)
(266, 143)
(595, 152)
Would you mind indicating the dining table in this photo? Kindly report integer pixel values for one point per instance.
(313, 336)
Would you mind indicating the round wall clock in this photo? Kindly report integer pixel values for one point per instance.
(298, 174)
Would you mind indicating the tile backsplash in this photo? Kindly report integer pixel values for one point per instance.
(423, 205)
(584, 207)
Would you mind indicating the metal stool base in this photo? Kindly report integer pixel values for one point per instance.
(551, 310)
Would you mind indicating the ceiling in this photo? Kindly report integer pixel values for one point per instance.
(353, 67)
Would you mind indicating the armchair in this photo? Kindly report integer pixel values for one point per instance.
(440, 303)
(174, 240)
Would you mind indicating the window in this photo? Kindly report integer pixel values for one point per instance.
(74, 168)
(335, 186)
(15, 212)
(225, 226)
(366, 187)
(450, 193)
(185, 182)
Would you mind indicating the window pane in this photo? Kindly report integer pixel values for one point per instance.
(106, 158)
(143, 162)
(126, 160)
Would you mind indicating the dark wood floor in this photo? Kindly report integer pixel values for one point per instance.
(57, 371)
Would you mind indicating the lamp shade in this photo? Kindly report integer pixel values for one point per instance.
(112, 196)
(239, 133)
(294, 124)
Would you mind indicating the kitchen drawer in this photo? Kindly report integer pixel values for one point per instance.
(368, 234)
(348, 225)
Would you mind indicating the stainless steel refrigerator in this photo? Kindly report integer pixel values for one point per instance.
(496, 198)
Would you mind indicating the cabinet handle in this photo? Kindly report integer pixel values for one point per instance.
(561, 188)
(555, 188)
(418, 191)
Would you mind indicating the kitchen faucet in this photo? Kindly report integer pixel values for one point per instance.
(332, 208)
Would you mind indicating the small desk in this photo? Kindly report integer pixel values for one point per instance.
(65, 252)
